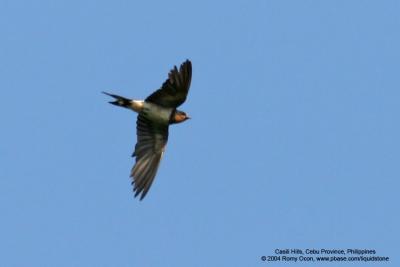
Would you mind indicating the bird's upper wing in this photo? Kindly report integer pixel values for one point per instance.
(174, 90)
(151, 141)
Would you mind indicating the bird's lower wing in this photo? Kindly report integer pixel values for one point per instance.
(151, 142)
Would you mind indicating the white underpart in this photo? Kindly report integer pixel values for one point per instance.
(137, 105)
(156, 113)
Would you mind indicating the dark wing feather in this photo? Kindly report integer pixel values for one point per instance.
(151, 141)
(174, 90)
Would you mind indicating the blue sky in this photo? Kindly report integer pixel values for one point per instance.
(294, 141)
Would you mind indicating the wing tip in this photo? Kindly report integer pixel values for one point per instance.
(143, 179)
(187, 63)
(139, 191)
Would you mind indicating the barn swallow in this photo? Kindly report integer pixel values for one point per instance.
(155, 114)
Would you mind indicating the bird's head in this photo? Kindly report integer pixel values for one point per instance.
(179, 116)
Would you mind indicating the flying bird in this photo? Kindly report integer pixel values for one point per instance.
(155, 114)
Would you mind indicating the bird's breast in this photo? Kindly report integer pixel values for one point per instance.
(156, 113)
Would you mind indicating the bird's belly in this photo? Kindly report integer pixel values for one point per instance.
(156, 113)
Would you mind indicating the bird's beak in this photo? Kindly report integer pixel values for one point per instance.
(187, 117)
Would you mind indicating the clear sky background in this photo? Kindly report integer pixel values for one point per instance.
(294, 141)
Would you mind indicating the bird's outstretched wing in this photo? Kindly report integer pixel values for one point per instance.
(174, 90)
(151, 141)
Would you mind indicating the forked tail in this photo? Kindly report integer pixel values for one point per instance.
(119, 100)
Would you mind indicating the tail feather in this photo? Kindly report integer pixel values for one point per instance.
(119, 100)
